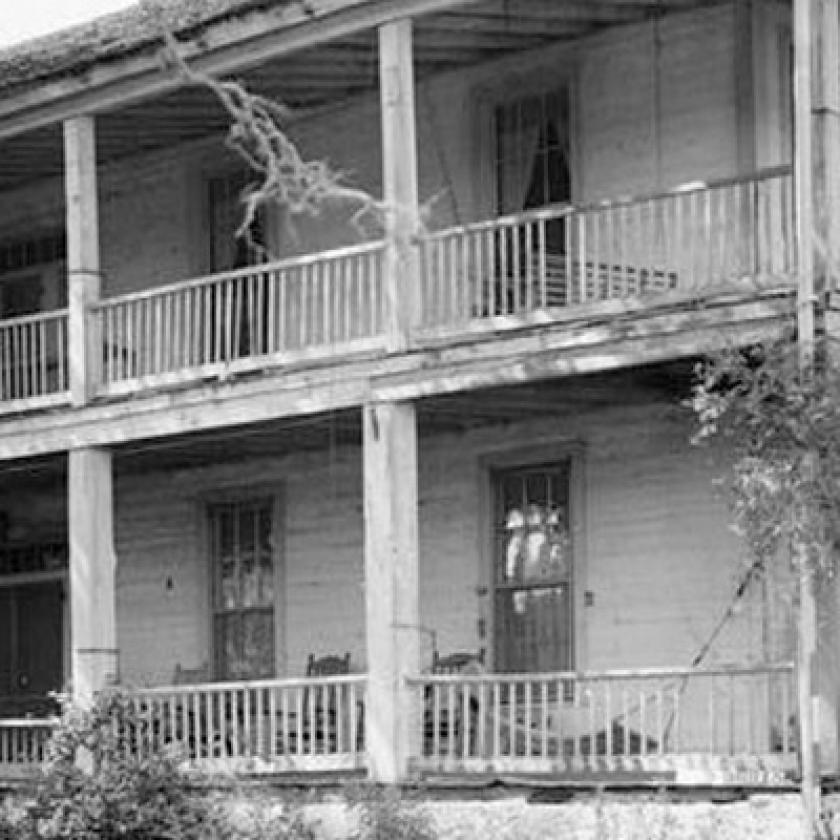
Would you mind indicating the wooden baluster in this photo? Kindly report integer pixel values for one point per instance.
(591, 722)
(7, 391)
(451, 712)
(581, 258)
(594, 291)
(542, 268)
(352, 714)
(464, 241)
(787, 687)
(60, 341)
(730, 682)
(497, 721)
(246, 717)
(284, 722)
(481, 745)
(529, 721)
(464, 712)
(345, 301)
(712, 717)
(491, 280)
(530, 261)
(32, 359)
(513, 701)
(544, 717)
(452, 279)
(506, 295)
(307, 285)
(313, 723)
(660, 719)
(17, 390)
(322, 270)
(608, 724)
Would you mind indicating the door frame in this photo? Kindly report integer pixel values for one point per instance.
(62, 577)
(503, 458)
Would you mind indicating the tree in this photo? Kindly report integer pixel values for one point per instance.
(782, 420)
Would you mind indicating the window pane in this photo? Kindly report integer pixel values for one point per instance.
(533, 629)
(534, 567)
(243, 558)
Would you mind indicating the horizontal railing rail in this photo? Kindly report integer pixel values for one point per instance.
(23, 743)
(313, 723)
(318, 304)
(610, 720)
(690, 240)
(33, 359)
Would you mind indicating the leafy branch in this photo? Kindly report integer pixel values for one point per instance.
(784, 431)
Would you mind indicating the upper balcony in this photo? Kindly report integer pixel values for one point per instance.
(578, 169)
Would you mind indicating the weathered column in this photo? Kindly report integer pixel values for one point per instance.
(399, 179)
(391, 585)
(93, 623)
(83, 276)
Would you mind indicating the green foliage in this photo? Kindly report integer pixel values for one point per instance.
(783, 428)
(97, 786)
(385, 814)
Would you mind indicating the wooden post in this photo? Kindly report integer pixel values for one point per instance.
(825, 110)
(808, 694)
(93, 624)
(391, 586)
(399, 177)
(83, 276)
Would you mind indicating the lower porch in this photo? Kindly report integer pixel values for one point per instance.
(645, 728)
(580, 615)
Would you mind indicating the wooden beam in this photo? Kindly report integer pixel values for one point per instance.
(494, 358)
(391, 586)
(228, 48)
(83, 278)
(93, 622)
(399, 178)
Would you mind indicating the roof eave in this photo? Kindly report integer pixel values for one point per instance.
(224, 48)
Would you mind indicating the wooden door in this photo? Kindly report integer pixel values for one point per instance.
(534, 567)
(31, 640)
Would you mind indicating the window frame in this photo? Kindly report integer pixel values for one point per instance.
(538, 80)
(243, 495)
(551, 451)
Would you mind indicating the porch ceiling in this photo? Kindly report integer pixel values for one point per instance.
(665, 384)
(466, 34)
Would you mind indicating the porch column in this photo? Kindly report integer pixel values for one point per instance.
(391, 585)
(83, 275)
(399, 180)
(93, 624)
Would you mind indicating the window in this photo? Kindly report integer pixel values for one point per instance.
(533, 569)
(242, 544)
(532, 159)
(246, 334)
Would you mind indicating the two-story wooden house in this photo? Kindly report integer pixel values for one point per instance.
(416, 499)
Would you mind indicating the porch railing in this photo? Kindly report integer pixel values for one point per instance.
(734, 725)
(692, 240)
(23, 746)
(281, 311)
(33, 360)
(266, 726)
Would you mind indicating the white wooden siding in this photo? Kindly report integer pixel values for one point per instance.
(661, 562)
(634, 134)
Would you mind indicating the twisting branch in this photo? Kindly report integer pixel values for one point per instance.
(283, 176)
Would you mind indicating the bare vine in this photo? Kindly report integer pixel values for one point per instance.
(282, 175)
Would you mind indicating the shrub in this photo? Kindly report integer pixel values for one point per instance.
(95, 787)
(384, 814)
